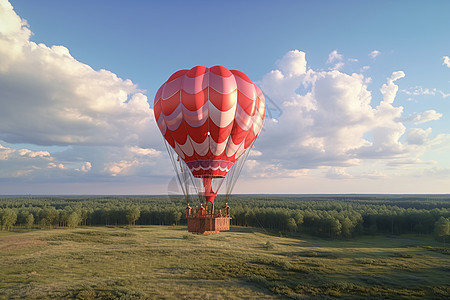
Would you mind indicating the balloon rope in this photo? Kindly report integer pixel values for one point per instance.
(174, 164)
(236, 171)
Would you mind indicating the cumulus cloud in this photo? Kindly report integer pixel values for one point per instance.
(132, 161)
(121, 167)
(336, 58)
(418, 136)
(81, 160)
(293, 63)
(330, 120)
(50, 98)
(103, 123)
(107, 161)
(59, 166)
(22, 162)
(6, 153)
(374, 53)
(446, 62)
(389, 90)
(255, 153)
(85, 167)
(426, 116)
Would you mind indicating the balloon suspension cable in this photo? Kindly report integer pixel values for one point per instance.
(235, 171)
(180, 177)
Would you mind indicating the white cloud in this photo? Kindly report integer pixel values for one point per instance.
(81, 163)
(426, 116)
(36, 165)
(337, 173)
(334, 123)
(106, 161)
(135, 161)
(444, 95)
(293, 63)
(6, 153)
(335, 57)
(47, 98)
(122, 167)
(23, 162)
(446, 61)
(255, 153)
(338, 66)
(145, 151)
(389, 90)
(50, 98)
(85, 167)
(418, 136)
(420, 91)
(374, 53)
(59, 166)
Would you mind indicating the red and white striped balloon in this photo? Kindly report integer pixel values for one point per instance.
(209, 116)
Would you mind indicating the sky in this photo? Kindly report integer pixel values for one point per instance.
(357, 92)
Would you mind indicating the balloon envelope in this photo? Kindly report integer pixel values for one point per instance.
(210, 117)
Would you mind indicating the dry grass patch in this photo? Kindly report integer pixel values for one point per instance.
(167, 262)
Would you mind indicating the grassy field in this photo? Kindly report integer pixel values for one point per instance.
(157, 262)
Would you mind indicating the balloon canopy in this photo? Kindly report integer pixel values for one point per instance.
(210, 117)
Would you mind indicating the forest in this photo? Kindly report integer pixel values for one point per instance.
(333, 217)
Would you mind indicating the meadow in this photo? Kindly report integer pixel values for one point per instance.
(166, 262)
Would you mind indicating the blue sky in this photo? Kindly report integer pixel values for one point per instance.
(359, 92)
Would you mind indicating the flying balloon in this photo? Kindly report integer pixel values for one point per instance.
(210, 118)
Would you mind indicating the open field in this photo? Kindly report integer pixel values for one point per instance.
(167, 262)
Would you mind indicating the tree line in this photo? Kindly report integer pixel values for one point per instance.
(331, 217)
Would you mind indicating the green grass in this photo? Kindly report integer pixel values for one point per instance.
(154, 262)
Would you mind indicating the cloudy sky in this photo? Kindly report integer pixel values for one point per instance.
(358, 92)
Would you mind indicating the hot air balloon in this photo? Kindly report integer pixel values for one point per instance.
(209, 118)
